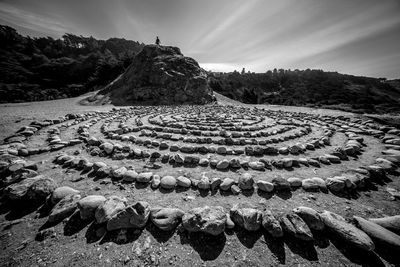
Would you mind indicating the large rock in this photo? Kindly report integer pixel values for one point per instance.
(246, 217)
(346, 231)
(111, 206)
(159, 75)
(311, 217)
(41, 188)
(166, 218)
(168, 182)
(271, 224)
(88, 205)
(379, 234)
(134, 216)
(246, 181)
(61, 192)
(294, 225)
(210, 220)
(391, 223)
(64, 208)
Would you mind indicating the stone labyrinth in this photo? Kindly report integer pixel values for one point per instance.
(122, 170)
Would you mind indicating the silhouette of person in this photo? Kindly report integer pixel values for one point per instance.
(158, 41)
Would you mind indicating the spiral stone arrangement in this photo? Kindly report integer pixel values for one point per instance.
(190, 167)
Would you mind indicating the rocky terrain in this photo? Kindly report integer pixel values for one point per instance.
(158, 75)
(211, 185)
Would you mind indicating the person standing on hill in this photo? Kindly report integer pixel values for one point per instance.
(158, 42)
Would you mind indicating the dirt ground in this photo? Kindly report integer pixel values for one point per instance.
(76, 243)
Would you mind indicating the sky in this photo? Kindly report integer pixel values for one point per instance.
(360, 37)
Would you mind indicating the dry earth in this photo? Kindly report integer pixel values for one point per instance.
(74, 242)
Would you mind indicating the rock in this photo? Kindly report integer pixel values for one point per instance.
(223, 164)
(166, 218)
(379, 234)
(311, 217)
(204, 183)
(144, 177)
(88, 205)
(64, 208)
(313, 184)
(235, 189)
(294, 182)
(107, 147)
(335, 185)
(109, 208)
(265, 186)
(155, 183)
(226, 184)
(41, 188)
(392, 223)
(346, 231)
(61, 192)
(271, 224)
(159, 75)
(280, 184)
(256, 165)
(130, 176)
(287, 162)
(168, 182)
(294, 225)
(246, 181)
(246, 217)
(133, 216)
(215, 183)
(118, 173)
(210, 220)
(183, 181)
(229, 223)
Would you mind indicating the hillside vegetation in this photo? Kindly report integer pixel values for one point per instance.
(310, 88)
(44, 68)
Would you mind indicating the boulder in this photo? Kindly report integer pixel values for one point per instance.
(210, 220)
(144, 177)
(223, 164)
(294, 182)
(246, 181)
(130, 176)
(64, 208)
(88, 205)
(61, 192)
(183, 181)
(159, 75)
(133, 216)
(111, 206)
(271, 224)
(380, 235)
(335, 185)
(311, 217)
(166, 219)
(215, 183)
(294, 225)
(41, 188)
(226, 184)
(156, 181)
(246, 217)
(346, 231)
(168, 182)
(280, 184)
(392, 223)
(265, 186)
(204, 183)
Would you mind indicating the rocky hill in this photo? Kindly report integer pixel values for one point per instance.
(159, 75)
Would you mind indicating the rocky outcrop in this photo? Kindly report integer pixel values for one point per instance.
(159, 75)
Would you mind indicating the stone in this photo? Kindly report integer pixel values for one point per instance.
(229, 223)
(107, 147)
(223, 164)
(311, 217)
(271, 224)
(179, 80)
(118, 173)
(265, 186)
(226, 184)
(183, 181)
(166, 219)
(235, 189)
(246, 217)
(287, 162)
(294, 182)
(280, 184)
(109, 208)
(256, 165)
(204, 183)
(144, 177)
(215, 183)
(335, 185)
(64, 208)
(294, 225)
(392, 223)
(133, 216)
(129, 176)
(88, 205)
(379, 234)
(210, 220)
(156, 181)
(61, 192)
(246, 181)
(313, 184)
(346, 231)
(168, 182)
(41, 188)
